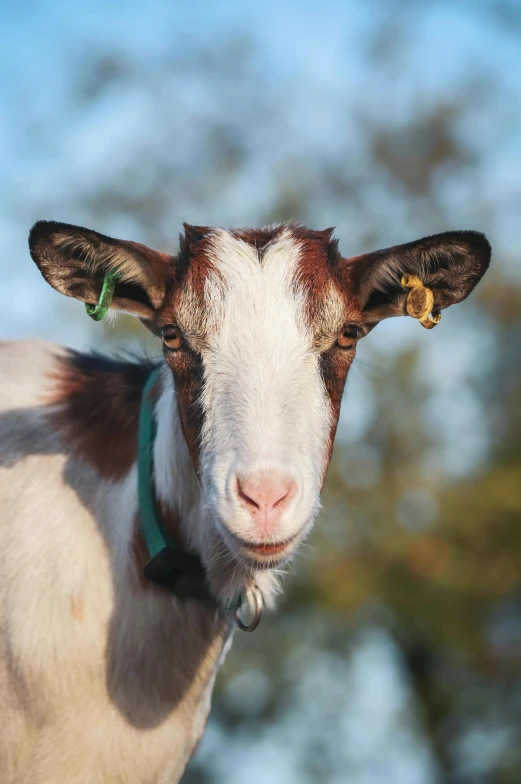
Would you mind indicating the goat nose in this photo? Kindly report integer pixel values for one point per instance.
(265, 495)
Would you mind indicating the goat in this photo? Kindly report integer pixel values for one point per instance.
(108, 652)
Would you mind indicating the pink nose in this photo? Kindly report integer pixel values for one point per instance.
(265, 495)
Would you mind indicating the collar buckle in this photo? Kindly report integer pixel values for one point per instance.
(180, 573)
(168, 566)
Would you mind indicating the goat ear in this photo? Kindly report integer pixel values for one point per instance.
(75, 262)
(398, 281)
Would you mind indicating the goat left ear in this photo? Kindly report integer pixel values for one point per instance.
(418, 278)
(75, 262)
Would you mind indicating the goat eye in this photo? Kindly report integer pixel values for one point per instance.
(172, 337)
(348, 336)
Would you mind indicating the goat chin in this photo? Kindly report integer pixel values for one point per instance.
(229, 574)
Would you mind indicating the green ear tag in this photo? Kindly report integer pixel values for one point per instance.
(99, 311)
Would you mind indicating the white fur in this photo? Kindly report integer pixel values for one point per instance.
(177, 486)
(264, 399)
(100, 681)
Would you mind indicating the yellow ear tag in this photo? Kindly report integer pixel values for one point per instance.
(420, 301)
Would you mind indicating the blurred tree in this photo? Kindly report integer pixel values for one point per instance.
(428, 555)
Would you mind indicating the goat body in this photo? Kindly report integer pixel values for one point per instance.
(106, 678)
(102, 678)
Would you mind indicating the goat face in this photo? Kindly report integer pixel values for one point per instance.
(251, 325)
(259, 329)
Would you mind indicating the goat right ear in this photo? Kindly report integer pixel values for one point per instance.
(75, 262)
(447, 265)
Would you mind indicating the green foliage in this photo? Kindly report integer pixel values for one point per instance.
(420, 535)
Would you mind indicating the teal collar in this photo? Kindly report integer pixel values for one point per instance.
(168, 565)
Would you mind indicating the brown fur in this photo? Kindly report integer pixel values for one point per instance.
(190, 271)
(95, 407)
(319, 269)
(334, 365)
(318, 254)
(260, 238)
(187, 368)
(193, 264)
(93, 398)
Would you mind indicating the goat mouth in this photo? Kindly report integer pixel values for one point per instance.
(265, 554)
(266, 549)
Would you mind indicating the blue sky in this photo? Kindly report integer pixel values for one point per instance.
(323, 62)
(324, 69)
(313, 53)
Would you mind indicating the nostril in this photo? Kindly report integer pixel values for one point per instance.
(281, 500)
(245, 497)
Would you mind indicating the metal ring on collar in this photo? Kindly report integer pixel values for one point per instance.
(253, 599)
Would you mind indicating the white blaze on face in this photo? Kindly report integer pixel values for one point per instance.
(265, 405)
